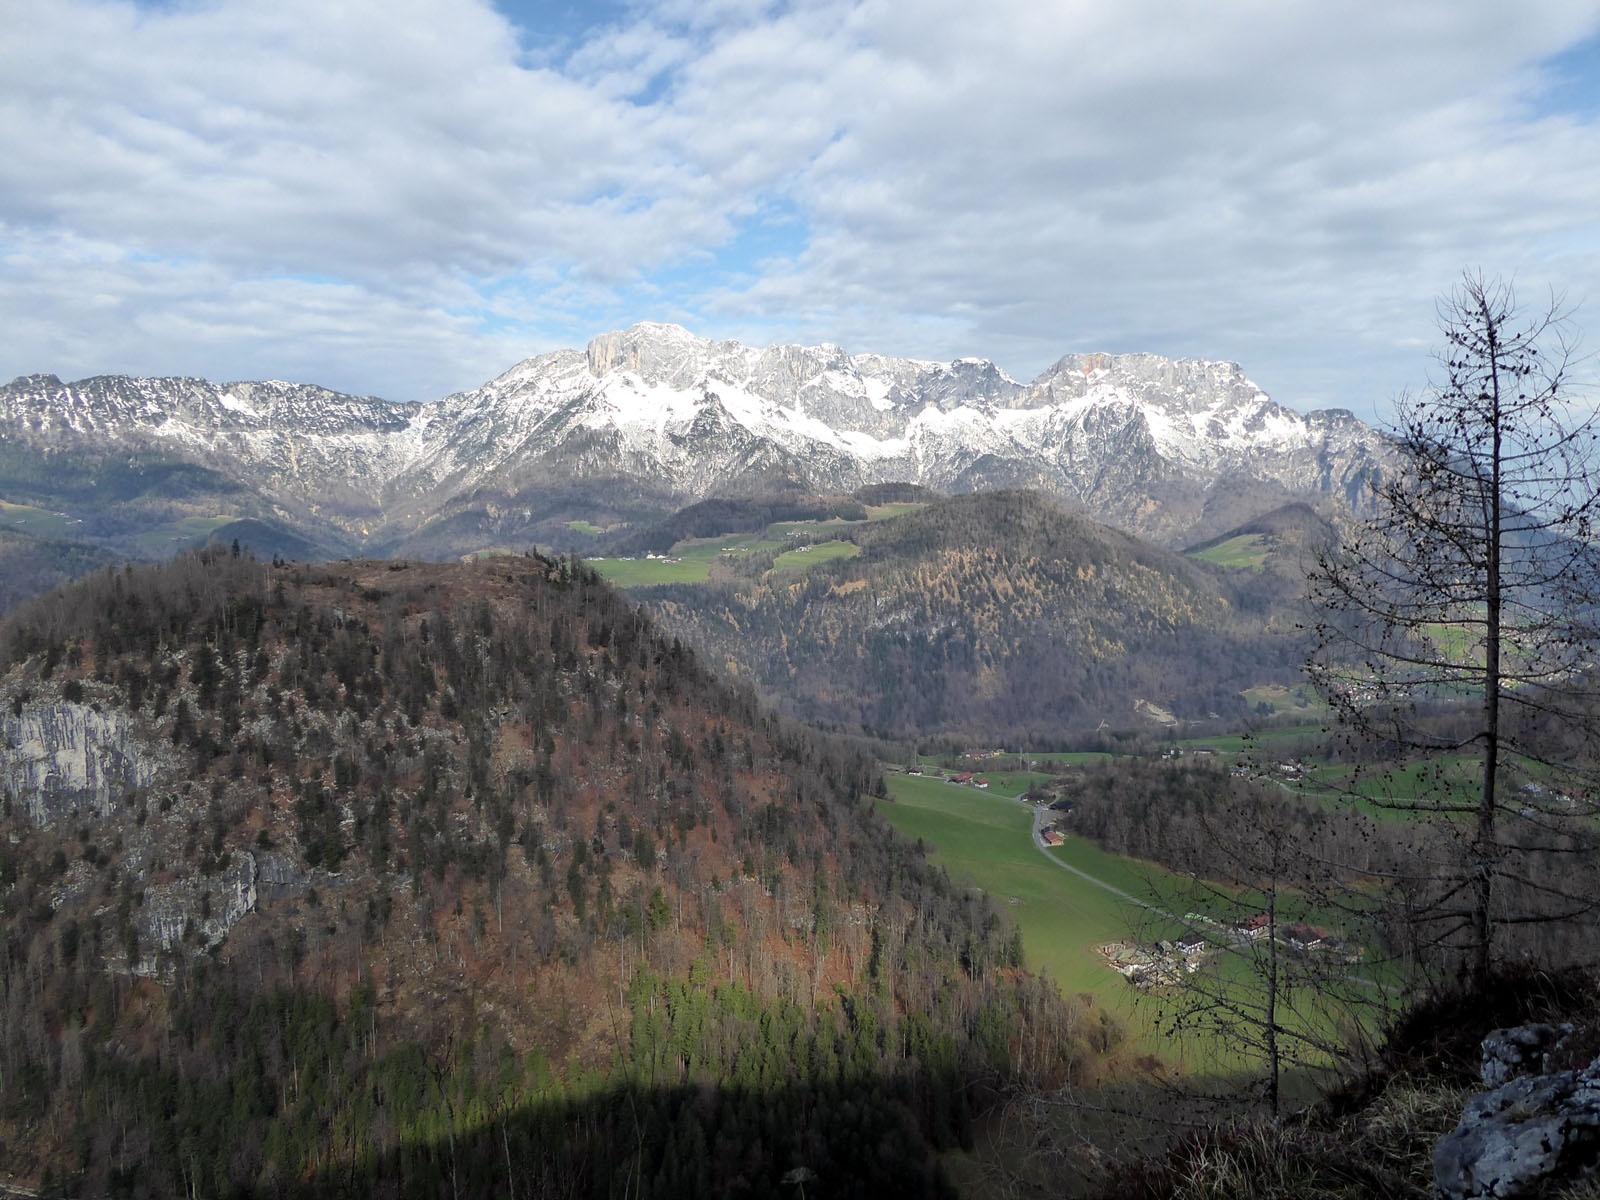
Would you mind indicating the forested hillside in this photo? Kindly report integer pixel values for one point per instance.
(996, 616)
(399, 878)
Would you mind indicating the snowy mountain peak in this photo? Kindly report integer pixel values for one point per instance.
(1136, 439)
(657, 353)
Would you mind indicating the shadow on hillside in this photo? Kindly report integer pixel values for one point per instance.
(876, 1138)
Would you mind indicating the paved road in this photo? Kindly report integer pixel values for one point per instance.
(1038, 844)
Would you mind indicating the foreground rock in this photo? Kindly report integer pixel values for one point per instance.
(1526, 1133)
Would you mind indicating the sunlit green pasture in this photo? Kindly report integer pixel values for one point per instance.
(1073, 758)
(1249, 550)
(35, 521)
(1457, 643)
(985, 840)
(1388, 793)
(1013, 783)
(1301, 698)
(803, 558)
(791, 529)
(163, 539)
(689, 561)
(880, 512)
(886, 512)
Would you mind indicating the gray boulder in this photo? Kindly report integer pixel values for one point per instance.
(1521, 1050)
(1511, 1141)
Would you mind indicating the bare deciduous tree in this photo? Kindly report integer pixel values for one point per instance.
(1459, 623)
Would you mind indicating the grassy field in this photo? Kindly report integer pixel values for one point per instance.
(1454, 780)
(689, 562)
(885, 512)
(985, 840)
(1301, 698)
(1012, 783)
(165, 539)
(1249, 551)
(789, 529)
(1250, 743)
(1073, 758)
(882, 512)
(803, 558)
(1456, 643)
(35, 521)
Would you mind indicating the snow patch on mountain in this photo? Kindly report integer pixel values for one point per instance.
(689, 415)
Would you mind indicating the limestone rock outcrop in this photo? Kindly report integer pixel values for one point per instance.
(1527, 1133)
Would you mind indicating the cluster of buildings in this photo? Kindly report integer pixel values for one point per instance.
(1154, 965)
(1167, 961)
(964, 778)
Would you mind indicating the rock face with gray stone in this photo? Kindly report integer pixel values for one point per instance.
(1526, 1133)
(1521, 1050)
(58, 760)
(199, 908)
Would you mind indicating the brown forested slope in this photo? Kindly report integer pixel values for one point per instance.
(313, 874)
(996, 615)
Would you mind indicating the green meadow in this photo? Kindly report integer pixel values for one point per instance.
(984, 839)
(162, 540)
(694, 557)
(885, 512)
(1277, 698)
(1071, 758)
(1248, 550)
(803, 558)
(1452, 781)
(35, 521)
(688, 562)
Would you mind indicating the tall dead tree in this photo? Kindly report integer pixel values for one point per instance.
(1459, 625)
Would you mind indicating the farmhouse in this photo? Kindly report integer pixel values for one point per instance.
(1052, 837)
(1254, 928)
(1306, 937)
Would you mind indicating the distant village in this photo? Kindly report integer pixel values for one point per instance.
(1167, 961)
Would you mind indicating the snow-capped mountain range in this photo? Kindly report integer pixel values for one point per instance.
(653, 417)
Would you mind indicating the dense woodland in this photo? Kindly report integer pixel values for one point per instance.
(538, 903)
(998, 617)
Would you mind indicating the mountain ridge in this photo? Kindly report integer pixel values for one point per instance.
(645, 420)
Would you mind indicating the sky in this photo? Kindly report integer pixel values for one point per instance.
(404, 198)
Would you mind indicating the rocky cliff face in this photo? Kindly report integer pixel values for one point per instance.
(59, 760)
(90, 768)
(653, 416)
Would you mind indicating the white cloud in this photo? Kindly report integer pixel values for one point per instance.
(396, 198)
